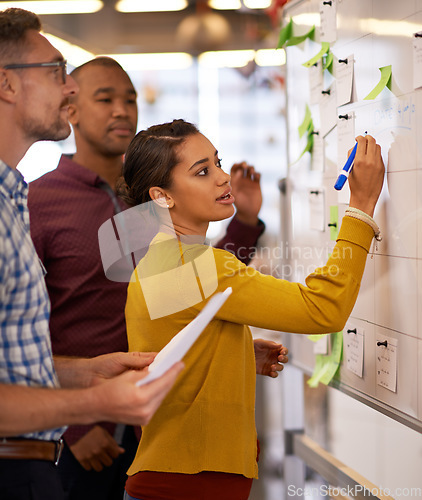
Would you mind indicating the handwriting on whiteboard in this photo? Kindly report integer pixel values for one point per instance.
(397, 112)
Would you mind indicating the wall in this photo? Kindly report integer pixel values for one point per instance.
(376, 33)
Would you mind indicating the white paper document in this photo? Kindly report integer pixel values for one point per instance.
(328, 109)
(316, 82)
(386, 362)
(180, 344)
(417, 60)
(317, 155)
(345, 142)
(353, 346)
(317, 209)
(328, 27)
(343, 71)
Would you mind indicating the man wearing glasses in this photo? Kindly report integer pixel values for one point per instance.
(60, 67)
(34, 102)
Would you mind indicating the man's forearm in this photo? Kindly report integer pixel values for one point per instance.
(30, 409)
(73, 372)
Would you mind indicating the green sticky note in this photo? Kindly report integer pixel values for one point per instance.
(306, 123)
(327, 366)
(328, 61)
(307, 149)
(325, 47)
(385, 81)
(337, 346)
(333, 224)
(319, 370)
(316, 337)
(296, 40)
(334, 359)
(285, 34)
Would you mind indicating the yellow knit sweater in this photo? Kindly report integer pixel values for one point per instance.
(207, 420)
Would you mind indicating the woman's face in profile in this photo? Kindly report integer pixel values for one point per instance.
(200, 189)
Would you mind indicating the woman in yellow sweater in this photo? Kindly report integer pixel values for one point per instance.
(201, 443)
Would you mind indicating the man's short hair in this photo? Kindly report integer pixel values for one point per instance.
(98, 61)
(14, 24)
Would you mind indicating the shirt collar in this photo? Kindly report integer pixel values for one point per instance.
(72, 169)
(11, 180)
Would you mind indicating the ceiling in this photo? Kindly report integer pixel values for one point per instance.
(112, 32)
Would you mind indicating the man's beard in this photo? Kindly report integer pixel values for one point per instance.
(39, 130)
(54, 132)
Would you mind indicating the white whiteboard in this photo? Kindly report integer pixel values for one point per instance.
(377, 33)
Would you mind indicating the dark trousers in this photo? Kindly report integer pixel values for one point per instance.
(108, 484)
(205, 485)
(29, 480)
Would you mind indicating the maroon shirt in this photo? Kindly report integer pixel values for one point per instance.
(67, 207)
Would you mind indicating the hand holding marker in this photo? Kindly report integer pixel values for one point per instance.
(342, 178)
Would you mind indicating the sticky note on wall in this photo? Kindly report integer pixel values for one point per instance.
(417, 60)
(325, 47)
(288, 36)
(333, 223)
(316, 209)
(353, 340)
(386, 362)
(385, 81)
(328, 22)
(327, 366)
(344, 73)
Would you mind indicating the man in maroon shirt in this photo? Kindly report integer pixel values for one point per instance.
(67, 207)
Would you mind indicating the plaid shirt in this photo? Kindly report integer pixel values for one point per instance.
(25, 347)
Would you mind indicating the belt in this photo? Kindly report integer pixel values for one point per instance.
(31, 449)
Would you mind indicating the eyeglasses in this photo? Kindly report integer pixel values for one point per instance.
(56, 64)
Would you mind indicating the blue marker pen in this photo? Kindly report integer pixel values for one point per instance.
(341, 180)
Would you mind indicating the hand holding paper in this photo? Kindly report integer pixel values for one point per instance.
(182, 342)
